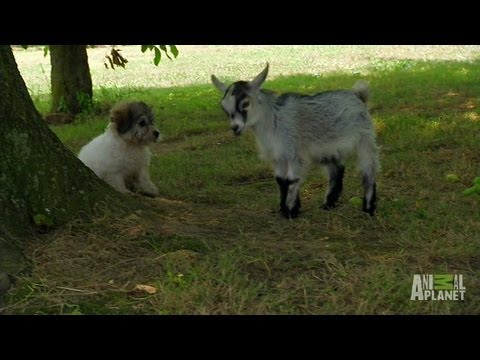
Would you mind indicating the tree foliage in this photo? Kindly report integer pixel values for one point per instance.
(157, 49)
(115, 59)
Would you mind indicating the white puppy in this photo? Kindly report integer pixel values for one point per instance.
(120, 155)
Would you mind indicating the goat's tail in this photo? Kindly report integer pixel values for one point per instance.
(362, 90)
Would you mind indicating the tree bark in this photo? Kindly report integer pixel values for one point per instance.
(42, 184)
(70, 78)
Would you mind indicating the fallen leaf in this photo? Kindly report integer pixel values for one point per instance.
(146, 288)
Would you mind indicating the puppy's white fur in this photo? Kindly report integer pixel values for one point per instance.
(122, 159)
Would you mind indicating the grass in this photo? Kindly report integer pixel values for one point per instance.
(213, 243)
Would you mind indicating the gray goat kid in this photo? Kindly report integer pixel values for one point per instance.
(295, 131)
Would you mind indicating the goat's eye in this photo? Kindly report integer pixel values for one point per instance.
(142, 123)
(245, 104)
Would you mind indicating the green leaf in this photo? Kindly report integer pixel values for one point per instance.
(470, 191)
(164, 48)
(158, 56)
(355, 200)
(147, 47)
(24, 46)
(42, 220)
(453, 178)
(45, 51)
(174, 50)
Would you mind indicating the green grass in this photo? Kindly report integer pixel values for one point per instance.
(214, 242)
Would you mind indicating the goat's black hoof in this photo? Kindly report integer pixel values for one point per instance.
(284, 212)
(294, 213)
(370, 211)
(289, 214)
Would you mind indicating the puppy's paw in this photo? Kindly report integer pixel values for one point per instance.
(124, 190)
(151, 192)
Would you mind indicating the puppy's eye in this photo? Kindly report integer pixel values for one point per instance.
(142, 123)
(245, 104)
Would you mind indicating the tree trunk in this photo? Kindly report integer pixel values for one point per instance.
(70, 78)
(42, 184)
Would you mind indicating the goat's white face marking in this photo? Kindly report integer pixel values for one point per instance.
(236, 100)
(236, 104)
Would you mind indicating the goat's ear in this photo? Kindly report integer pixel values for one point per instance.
(256, 83)
(218, 84)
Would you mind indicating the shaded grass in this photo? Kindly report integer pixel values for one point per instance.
(214, 243)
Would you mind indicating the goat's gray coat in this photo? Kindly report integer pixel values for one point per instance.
(294, 131)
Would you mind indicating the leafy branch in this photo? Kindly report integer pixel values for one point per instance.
(115, 59)
(157, 49)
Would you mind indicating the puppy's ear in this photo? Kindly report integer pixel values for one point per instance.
(121, 117)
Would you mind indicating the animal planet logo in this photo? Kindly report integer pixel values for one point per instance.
(438, 287)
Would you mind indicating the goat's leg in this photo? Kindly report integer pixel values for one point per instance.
(283, 187)
(281, 169)
(288, 175)
(369, 165)
(335, 171)
(293, 202)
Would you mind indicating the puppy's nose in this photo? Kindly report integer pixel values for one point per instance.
(156, 133)
(235, 128)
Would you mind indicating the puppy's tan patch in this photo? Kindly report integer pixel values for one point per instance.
(120, 116)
